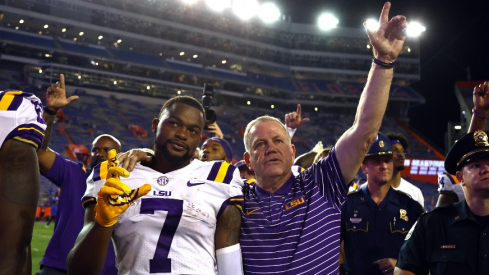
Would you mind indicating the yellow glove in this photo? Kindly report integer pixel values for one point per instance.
(115, 196)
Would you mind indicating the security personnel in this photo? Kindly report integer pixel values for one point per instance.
(454, 239)
(375, 217)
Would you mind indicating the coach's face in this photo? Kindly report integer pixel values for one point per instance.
(270, 154)
(178, 132)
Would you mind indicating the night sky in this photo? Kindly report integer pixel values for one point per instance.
(457, 38)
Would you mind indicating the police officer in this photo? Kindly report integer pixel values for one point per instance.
(454, 239)
(375, 217)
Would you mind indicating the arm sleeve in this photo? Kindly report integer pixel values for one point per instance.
(63, 170)
(229, 260)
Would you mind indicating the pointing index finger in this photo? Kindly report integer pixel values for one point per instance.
(62, 81)
(299, 108)
(384, 15)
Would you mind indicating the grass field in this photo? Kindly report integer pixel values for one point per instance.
(40, 239)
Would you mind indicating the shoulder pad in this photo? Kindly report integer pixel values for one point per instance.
(221, 171)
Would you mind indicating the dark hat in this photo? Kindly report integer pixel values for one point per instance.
(380, 146)
(225, 145)
(471, 147)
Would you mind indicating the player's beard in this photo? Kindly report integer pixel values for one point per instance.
(175, 160)
(400, 168)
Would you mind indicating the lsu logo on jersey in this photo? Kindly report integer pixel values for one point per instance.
(294, 203)
(221, 172)
(162, 193)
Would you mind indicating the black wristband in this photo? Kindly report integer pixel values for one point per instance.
(50, 112)
(383, 64)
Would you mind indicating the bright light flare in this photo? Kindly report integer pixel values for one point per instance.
(415, 29)
(218, 5)
(245, 9)
(372, 24)
(327, 21)
(269, 12)
(190, 2)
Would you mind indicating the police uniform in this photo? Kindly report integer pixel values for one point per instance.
(451, 239)
(372, 231)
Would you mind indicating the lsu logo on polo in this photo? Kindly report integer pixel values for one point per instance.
(294, 203)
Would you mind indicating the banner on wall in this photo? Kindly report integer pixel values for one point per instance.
(425, 170)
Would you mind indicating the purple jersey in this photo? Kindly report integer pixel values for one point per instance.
(70, 177)
(295, 230)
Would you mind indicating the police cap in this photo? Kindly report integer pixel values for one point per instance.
(471, 147)
(380, 146)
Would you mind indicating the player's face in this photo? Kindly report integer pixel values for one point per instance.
(212, 150)
(398, 157)
(100, 149)
(178, 133)
(378, 169)
(474, 177)
(271, 154)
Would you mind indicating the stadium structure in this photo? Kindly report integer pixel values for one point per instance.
(126, 57)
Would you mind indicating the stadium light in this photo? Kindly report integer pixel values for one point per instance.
(218, 5)
(272, 106)
(327, 21)
(179, 92)
(63, 30)
(195, 56)
(224, 62)
(119, 41)
(415, 29)
(372, 24)
(248, 102)
(269, 12)
(46, 26)
(316, 109)
(21, 21)
(457, 127)
(100, 37)
(81, 33)
(40, 71)
(182, 53)
(245, 9)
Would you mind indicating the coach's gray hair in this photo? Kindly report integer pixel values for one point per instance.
(265, 118)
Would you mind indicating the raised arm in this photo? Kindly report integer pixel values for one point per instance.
(294, 120)
(481, 107)
(55, 100)
(387, 42)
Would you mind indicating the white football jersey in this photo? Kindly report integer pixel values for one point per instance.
(21, 118)
(171, 229)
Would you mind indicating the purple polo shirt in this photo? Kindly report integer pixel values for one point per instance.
(70, 177)
(295, 230)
